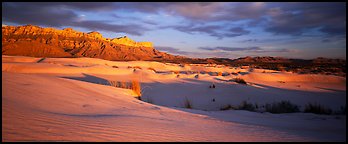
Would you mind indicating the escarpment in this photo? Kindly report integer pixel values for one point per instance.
(35, 41)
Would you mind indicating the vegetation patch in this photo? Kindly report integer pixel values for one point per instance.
(187, 104)
(317, 109)
(133, 85)
(282, 107)
(247, 106)
(239, 80)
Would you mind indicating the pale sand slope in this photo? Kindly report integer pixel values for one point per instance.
(65, 100)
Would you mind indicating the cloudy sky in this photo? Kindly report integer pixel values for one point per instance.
(214, 29)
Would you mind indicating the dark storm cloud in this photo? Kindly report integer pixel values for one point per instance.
(249, 40)
(248, 49)
(212, 30)
(298, 18)
(278, 18)
(230, 48)
(29, 13)
(48, 14)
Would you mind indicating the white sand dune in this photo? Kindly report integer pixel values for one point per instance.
(67, 99)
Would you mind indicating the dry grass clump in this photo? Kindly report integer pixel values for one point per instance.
(228, 107)
(136, 87)
(187, 104)
(317, 109)
(247, 106)
(137, 67)
(150, 68)
(133, 85)
(282, 107)
(239, 80)
(197, 76)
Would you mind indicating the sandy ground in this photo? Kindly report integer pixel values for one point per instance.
(66, 99)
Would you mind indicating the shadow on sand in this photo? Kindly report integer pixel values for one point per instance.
(90, 79)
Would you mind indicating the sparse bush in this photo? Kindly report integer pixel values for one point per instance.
(212, 86)
(282, 107)
(114, 66)
(124, 85)
(113, 83)
(317, 109)
(150, 68)
(196, 76)
(246, 106)
(187, 104)
(239, 80)
(234, 73)
(137, 67)
(228, 107)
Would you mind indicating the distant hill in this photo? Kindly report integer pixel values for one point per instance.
(35, 41)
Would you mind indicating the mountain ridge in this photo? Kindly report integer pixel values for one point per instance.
(30, 40)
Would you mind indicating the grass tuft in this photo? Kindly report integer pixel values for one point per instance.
(282, 107)
(187, 104)
(317, 109)
(247, 106)
(239, 80)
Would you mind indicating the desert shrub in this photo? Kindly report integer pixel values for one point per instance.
(187, 104)
(137, 67)
(317, 109)
(282, 107)
(113, 83)
(176, 72)
(212, 86)
(228, 107)
(136, 87)
(129, 67)
(114, 66)
(124, 85)
(197, 76)
(246, 106)
(150, 68)
(225, 74)
(239, 80)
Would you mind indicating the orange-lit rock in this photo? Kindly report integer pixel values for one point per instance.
(30, 40)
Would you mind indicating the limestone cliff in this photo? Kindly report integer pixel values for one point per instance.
(35, 41)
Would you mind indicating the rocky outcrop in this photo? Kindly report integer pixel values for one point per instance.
(35, 41)
(129, 42)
